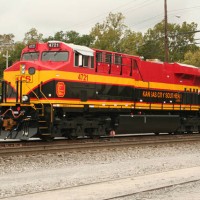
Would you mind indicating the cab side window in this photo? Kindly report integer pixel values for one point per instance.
(99, 57)
(83, 60)
(108, 58)
(118, 59)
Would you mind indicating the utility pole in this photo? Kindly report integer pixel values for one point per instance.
(166, 33)
(6, 56)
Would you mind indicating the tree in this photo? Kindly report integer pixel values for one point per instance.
(192, 58)
(59, 36)
(6, 40)
(86, 40)
(71, 37)
(6, 44)
(15, 54)
(130, 42)
(181, 40)
(32, 36)
(108, 34)
(2, 65)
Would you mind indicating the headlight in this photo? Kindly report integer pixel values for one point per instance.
(31, 70)
(25, 98)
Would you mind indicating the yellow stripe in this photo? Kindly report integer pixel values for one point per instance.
(46, 75)
(111, 104)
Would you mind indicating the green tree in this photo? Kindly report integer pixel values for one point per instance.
(32, 36)
(6, 45)
(75, 38)
(86, 40)
(59, 36)
(15, 54)
(108, 34)
(2, 65)
(130, 42)
(71, 37)
(6, 40)
(192, 58)
(181, 40)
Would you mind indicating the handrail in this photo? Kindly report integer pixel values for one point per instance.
(48, 101)
(43, 93)
(33, 92)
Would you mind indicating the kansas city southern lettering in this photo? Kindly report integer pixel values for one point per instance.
(160, 94)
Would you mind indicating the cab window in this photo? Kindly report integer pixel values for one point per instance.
(55, 56)
(84, 61)
(30, 56)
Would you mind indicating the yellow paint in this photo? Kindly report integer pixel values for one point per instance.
(47, 75)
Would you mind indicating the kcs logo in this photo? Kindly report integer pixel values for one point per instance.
(24, 78)
(60, 89)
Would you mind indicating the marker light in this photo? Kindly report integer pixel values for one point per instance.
(23, 69)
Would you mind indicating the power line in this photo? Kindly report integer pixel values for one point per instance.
(141, 5)
(189, 32)
(183, 33)
(158, 17)
(101, 15)
(123, 8)
(137, 7)
(183, 9)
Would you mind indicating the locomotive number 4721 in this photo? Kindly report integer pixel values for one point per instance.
(83, 77)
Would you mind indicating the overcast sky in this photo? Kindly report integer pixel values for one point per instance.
(50, 16)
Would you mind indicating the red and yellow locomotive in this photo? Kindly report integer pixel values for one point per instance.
(59, 89)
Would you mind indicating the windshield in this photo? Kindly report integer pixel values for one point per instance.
(30, 56)
(55, 56)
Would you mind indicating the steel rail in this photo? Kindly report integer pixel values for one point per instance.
(63, 145)
(152, 190)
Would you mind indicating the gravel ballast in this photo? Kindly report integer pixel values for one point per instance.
(22, 174)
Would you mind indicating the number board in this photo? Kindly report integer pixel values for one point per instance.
(54, 45)
(32, 46)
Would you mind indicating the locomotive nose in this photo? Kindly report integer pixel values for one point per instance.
(21, 71)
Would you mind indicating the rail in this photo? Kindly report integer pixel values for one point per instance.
(108, 142)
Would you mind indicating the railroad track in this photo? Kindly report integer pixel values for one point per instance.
(63, 145)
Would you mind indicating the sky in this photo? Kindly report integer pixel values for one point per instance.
(50, 16)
